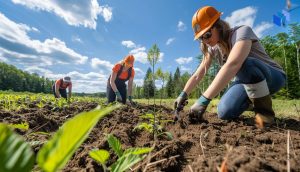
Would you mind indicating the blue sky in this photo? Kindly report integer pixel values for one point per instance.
(85, 38)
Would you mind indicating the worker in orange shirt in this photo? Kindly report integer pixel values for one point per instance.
(60, 86)
(116, 86)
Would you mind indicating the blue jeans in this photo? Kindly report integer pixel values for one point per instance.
(235, 100)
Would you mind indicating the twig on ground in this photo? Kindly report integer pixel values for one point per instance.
(288, 152)
(160, 161)
(190, 168)
(137, 167)
(293, 146)
(37, 128)
(202, 147)
(149, 155)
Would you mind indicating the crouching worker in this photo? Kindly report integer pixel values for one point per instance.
(60, 86)
(116, 86)
(241, 56)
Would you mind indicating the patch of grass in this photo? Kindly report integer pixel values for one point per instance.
(282, 108)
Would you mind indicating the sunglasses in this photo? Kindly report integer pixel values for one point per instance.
(206, 35)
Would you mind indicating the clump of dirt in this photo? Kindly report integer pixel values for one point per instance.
(198, 146)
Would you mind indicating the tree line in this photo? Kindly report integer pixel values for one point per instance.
(15, 79)
(283, 48)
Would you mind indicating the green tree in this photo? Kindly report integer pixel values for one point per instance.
(170, 86)
(295, 38)
(148, 85)
(152, 57)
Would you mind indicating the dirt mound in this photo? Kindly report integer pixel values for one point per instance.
(198, 147)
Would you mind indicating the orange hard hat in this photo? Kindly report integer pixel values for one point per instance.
(128, 60)
(203, 20)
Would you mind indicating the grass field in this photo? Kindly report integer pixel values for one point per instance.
(282, 108)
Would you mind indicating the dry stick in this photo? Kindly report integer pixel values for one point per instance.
(288, 152)
(190, 168)
(160, 161)
(201, 145)
(293, 146)
(151, 157)
(35, 129)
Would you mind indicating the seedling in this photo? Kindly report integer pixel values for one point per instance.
(126, 158)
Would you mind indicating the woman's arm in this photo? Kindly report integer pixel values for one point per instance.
(57, 89)
(70, 91)
(112, 81)
(130, 82)
(236, 58)
(198, 75)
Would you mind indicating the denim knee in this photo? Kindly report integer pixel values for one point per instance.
(252, 71)
(226, 112)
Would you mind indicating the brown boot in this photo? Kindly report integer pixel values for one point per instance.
(264, 114)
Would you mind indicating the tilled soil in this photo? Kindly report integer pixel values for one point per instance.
(199, 146)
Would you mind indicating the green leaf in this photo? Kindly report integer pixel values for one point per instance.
(58, 150)
(125, 162)
(147, 116)
(168, 134)
(146, 126)
(100, 156)
(115, 144)
(137, 151)
(16, 155)
(22, 126)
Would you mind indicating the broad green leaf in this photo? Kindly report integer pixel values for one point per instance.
(100, 156)
(15, 154)
(59, 149)
(137, 151)
(125, 162)
(115, 144)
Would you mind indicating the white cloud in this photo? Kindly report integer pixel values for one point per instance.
(95, 62)
(91, 82)
(139, 71)
(75, 13)
(128, 44)
(3, 59)
(247, 16)
(140, 54)
(186, 69)
(184, 60)
(244, 16)
(106, 12)
(262, 28)
(181, 26)
(35, 69)
(76, 39)
(18, 47)
(169, 41)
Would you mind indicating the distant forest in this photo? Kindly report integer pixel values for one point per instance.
(15, 79)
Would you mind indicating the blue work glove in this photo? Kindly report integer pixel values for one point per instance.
(180, 102)
(198, 108)
(118, 96)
